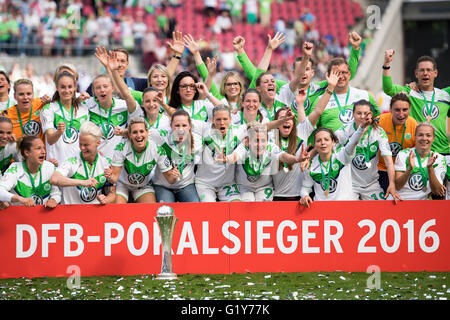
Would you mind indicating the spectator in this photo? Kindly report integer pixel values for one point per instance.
(223, 22)
(139, 30)
(236, 10)
(251, 8)
(265, 12)
(291, 40)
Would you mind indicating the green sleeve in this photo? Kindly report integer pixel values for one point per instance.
(373, 102)
(390, 89)
(203, 71)
(137, 95)
(247, 65)
(447, 90)
(353, 62)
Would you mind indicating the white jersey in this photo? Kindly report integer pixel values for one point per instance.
(108, 119)
(289, 183)
(336, 171)
(6, 104)
(282, 99)
(77, 168)
(255, 174)
(414, 186)
(288, 97)
(138, 169)
(178, 156)
(18, 180)
(67, 145)
(365, 162)
(199, 110)
(162, 122)
(210, 172)
(7, 154)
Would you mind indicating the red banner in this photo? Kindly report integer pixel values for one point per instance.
(226, 238)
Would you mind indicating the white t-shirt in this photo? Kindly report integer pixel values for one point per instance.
(17, 180)
(138, 169)
(210, 172)
(108, 119)
(76, 168)
(66, 147)
(362, 174)
(178, 156)
(289, 184)
(8, 153)
(199, 110)
(253, 173)
(413, 188)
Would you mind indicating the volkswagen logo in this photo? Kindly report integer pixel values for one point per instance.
(395, 148)
(347, 116)
(88, 194)
(434, 112)
(73, 136)
(110, 131)
(359, 162)
(136, 178)
(37, 199)
(253, 178)
(332, 187)
(415, 182)
(32, 128)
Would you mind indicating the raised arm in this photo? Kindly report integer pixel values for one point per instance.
(272, 45)
(177, 47)
(102, 56)
(332, 80)
(125, 93)
(355, 40)
(299, 72)
(388, 87)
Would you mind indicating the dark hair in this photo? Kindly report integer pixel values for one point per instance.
(258, 80)
(401, 96)
(364, 102)
(426, 58)
(335, 62)
(252, 90)
(333, 136)
(56, 96)
(7, 78)
(24, 143)
(292, 138)
(175, 99)
(299, 59)
(183, 113)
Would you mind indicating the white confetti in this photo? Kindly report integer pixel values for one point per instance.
(342, 278)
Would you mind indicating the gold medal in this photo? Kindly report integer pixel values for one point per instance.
(428, 118)
(326, 193)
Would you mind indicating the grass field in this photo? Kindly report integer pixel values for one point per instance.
(249, 286)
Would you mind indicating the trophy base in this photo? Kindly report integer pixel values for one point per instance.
(166, 276)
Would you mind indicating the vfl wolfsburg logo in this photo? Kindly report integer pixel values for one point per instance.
(37, 199)
(415, 182)
(306, 106)
(347, 116)
(434, 112)
(359, 162)
(88, 194)
(32, 128)
(395, 148)
(332, 187)
(110, 132)
(73, 136)
(136, 178)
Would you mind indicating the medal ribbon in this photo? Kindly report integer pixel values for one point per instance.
(106, 131)
(92, 172)
(403, 134)
(20, 118)
(423, 171)
(68, 129)
(341, 110)
(326, 180)
(429, 107)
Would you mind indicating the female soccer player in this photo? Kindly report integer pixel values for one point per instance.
(365, 161)
(83, 177)
(183, 148)
(8, 149)
(418, 171)
(134, 163)
(62, 118)
(30, 178)
(329, 173)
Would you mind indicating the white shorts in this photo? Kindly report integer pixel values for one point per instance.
(371, 192)
(258, 194)
(224, 193)
(136, 192)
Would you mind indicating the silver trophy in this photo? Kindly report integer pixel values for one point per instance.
(166, 222)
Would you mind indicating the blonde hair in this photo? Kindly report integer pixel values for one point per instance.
(135, 120)
(63, 67)
(426, 124)
(90, 128)
(19, 82)
(235, 75)
(164, 70)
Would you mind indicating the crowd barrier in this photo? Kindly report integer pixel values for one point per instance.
(212, 238)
